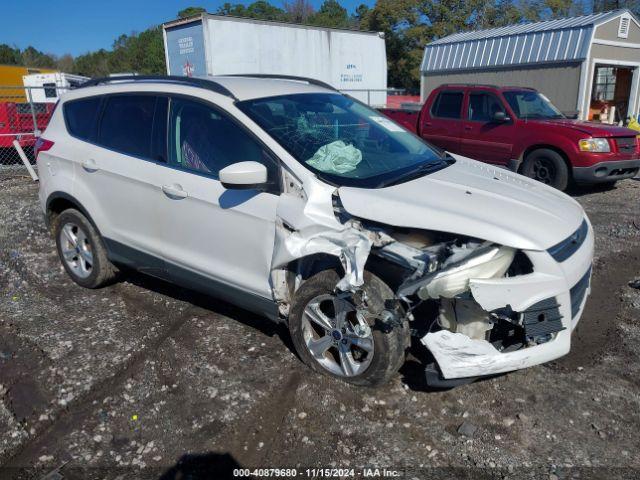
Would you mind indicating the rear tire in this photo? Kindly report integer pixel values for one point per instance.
(332, 347)
(547, 166)
(82, 251)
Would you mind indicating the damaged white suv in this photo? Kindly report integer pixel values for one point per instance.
(292, 200)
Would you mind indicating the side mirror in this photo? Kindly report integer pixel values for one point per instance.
(243, 176)
(500, 117)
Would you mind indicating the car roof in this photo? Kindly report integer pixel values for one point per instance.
(485, 86)
(238, 87)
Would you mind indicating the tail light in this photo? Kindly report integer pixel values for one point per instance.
(41, 145)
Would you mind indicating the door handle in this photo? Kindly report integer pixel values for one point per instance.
(467, 127)
(90, 165)
(174, 192)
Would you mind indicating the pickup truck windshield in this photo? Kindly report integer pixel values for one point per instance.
(343, 141)
(527, 104)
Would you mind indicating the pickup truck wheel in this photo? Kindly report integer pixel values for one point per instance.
(81, 250)
(546, 166)
(328, 337)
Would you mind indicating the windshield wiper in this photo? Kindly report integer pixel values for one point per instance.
(422, 170)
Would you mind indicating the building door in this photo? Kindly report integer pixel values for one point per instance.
(612, 95)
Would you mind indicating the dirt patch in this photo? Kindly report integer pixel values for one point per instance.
(598, 331)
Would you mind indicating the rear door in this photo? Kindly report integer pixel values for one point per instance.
(484, 138)
(442, 123)
(119, 172)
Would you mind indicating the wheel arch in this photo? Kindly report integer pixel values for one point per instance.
(58, 202)
(390, 273)
(546, 146)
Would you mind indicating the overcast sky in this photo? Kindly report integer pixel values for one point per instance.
(77, 27)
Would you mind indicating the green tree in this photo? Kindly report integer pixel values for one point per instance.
(31, 57)
(190, 12)
(265, 11)
(331, 14)
(9, 55)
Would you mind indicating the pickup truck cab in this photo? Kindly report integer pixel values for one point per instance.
(521, 129)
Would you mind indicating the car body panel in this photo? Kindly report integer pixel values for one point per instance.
(471, 198)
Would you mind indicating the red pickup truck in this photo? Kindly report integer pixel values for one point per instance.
(520, 128)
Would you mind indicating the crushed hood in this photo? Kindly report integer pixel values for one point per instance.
(473, 199)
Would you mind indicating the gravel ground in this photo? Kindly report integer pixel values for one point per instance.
(143, 379)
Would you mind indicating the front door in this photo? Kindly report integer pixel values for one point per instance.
(484, 138)
(214, 236)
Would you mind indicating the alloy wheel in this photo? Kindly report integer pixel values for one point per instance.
(335, 337)
(76, 249)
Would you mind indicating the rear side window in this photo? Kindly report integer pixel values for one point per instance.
(127, 124)
(447, 105)
(81, 116)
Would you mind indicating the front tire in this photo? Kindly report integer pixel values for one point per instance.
(328, 337)
(82, 251)
(547, 166)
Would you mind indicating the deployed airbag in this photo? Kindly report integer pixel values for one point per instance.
(336, 157)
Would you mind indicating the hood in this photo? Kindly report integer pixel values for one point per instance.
(591, 128)
(473, 199)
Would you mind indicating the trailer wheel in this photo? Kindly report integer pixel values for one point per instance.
(547, 166)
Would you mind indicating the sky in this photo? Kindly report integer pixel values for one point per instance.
(77, 27)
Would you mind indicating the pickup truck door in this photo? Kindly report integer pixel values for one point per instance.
(484, 138)
(441, 124)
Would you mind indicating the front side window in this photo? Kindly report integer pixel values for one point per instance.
(126, 124)
(343, 141)
(81, 116)
(447, 105)
(483, 107)
(205, 140)
(529, 104)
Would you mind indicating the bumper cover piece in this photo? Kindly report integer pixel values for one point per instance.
(607, 171)
(542, 319)
(577, 293)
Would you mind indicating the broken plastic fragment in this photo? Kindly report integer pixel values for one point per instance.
(336, 157)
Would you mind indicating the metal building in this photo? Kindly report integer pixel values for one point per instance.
(585, 65)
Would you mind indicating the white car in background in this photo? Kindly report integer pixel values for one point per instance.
(292, 200)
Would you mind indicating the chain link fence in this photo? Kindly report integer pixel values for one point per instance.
(24, 115)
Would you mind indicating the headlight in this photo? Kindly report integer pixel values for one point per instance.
(599, 145)
(454, 280)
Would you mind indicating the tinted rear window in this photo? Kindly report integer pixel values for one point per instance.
(448, 105)
(81, 116)
(127, 123)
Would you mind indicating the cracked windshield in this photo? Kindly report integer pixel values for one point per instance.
(344, 141)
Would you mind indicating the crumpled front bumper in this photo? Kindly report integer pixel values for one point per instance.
(567, 282)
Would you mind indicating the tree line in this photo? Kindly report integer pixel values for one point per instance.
(408, 25)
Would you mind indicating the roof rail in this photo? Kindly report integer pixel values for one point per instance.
(195, 82)
(311, 81)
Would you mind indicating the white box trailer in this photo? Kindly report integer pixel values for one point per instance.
(53, 85)
(349, 60)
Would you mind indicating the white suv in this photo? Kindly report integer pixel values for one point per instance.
(292, 200)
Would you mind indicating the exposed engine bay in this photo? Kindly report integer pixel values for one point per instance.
(437, 278)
